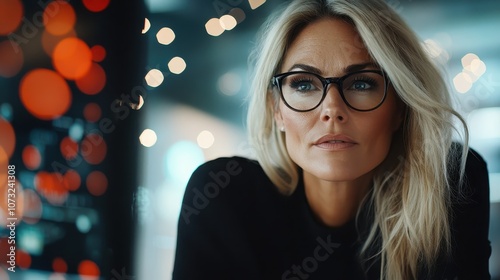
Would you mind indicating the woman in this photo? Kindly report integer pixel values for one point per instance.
(357, 176)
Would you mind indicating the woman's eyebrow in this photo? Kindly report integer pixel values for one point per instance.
(360, 66)
(348, 69)
(306, 67)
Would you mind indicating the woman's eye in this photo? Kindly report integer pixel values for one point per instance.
(303, 86)
(360, 85)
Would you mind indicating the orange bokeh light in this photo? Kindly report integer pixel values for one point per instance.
(69, 148)
(11, 59)
(88, 268)
(11, 14)
(93, 148)
(92, 112)
(33, 207)
(98, 53)
(4, 202)
(59, 17)
(8, 139)
(72, 180)
(23, 259)
(50, 41)
(59, 265)
(72, 58)
(51, 186)
(93, 81)
(96, 5)
(97, 183)
(45, 94)
(31, 157)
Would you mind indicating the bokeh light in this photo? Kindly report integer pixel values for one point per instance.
(68, 148)
(213, 27)
(90, 269)
(97, 183)
(229, 83)
(147, 26)
(50, 186)
(96, 5)
(228, 22)
(93, 148)
(11, 59)
(148, 138)
(238, 14)
(31, 157)
(92, 112)
(462, 82)
(98, 53)
(154, 78)
(45, 94)
(254, 4)
(93, 81)
(83, 224)
(11, 14)
(72, 180)
(59, 265)
(177, 65)
(165, 36)
(72, 58)
(205, 139)
(8, 139)
(23, 259)
(59, 17)
(467, 59)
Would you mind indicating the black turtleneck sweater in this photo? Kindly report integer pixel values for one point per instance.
(234, 224)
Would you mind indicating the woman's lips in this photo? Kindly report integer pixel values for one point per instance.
(334, 142)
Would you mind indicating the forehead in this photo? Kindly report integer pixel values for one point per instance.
(329, 44)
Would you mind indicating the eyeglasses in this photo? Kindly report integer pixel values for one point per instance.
(303, 91)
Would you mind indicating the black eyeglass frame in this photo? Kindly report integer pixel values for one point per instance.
(277, 81)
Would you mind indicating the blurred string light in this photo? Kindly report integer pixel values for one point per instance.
(177, 65)
(434, 50)
(254, 4)
(205, 139)
(6, 111)
(165, 36)
(147, 26)
(154, 78)
(83, 223)
(98, 53)
(473, 69)
(148, 138)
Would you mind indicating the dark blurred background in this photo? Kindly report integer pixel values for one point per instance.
(173, 96)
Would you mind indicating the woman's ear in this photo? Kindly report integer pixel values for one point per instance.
(278, 118)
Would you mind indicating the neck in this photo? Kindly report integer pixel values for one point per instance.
(335, 203)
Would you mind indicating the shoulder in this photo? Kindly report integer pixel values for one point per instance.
(470, 217)
(226, 186)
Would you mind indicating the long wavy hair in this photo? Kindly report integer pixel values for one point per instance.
(411, 192)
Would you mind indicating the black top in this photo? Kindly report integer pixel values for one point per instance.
(234, 224)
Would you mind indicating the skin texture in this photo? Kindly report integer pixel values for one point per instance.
(336, 177)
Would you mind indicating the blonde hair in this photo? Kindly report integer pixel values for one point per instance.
(411, 194)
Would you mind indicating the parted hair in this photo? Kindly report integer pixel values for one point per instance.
(411, 192)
